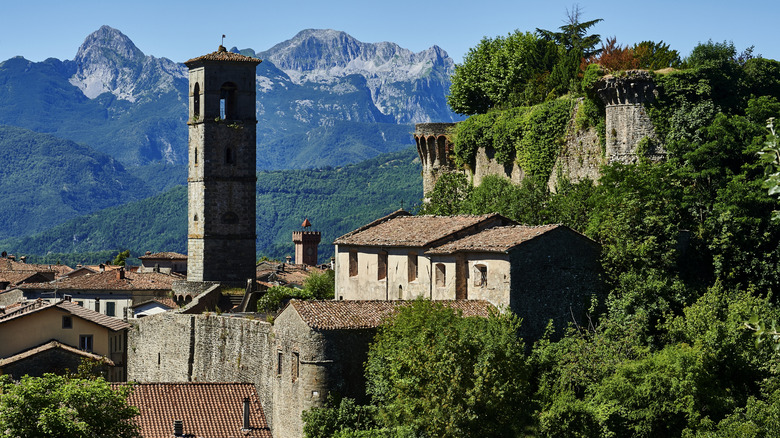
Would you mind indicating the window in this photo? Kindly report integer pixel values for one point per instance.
(381, 265)
(196, 102)
(111, 308)
(441, 275)
(412, 264)
(227, 101)
(279, 362)
(353, 263)
(97, 305)
(67, 322)
(80, 303)
(196, 156)
(295, 364)
(85, 343)
(480, 275)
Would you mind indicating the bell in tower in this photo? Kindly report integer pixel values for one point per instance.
(221, 174)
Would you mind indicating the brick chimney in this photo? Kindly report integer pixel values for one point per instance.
(120, 274)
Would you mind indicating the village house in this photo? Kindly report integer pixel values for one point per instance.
(112, 292)
(52, 336)
(165, 262)
(539, 272)
(195, 409)
(14, 273)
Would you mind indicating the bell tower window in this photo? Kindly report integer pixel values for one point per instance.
(196, 102)
(228, 156)
(227, 101)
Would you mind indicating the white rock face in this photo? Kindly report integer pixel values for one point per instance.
(108, 62)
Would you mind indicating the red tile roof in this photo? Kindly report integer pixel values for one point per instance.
(496, 239)
(109, 280)
(108, 322)
(50, 346)
(164, 256)
(213, 410)
(222, 55)
(284, 273)
(167, 302)
(360, 314)
(402, 229)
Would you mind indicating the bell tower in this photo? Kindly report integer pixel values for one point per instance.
(221, 174)
(306, 242)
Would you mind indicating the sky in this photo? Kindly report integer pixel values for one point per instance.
(180, 30)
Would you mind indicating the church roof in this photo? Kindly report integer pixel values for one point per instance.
(496, 239)
(402, 229)
(363, 314)
(222, 55)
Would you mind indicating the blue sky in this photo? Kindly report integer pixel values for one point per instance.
(180, 30)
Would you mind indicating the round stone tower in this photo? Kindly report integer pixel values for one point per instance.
(221, 175)
(434, 147)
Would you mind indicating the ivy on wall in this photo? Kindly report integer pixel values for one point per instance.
(531, 135)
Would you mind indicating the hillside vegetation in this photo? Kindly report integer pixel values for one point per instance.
(336, 200)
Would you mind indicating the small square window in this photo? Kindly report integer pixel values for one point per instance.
(111, 308)
(67, 322)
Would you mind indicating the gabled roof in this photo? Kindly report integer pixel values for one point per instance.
(402, 229)
(164, 256)
(106, 321)
(222, 55)
(7, 264)
(165, 302)
(496, 239)
(51, 345)
(211, 410)
(362, 314)
(109, 280)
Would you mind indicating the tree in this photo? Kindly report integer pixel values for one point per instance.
(444, 375)
(448, 195)
(120, 258)
(64, 407)
(321, 285)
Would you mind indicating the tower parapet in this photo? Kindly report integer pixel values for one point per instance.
(627, 121)
(434, 145)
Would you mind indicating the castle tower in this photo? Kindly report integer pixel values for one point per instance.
(630, 132)
(221, 176)
(434, 147)
(306, 245)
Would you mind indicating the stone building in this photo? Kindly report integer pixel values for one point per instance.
(538, 272)
(313, 348)
(221, 173)
(306, 242)
(42, 336)
(165, 262)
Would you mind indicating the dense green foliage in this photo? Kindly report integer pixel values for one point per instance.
(318, 286)
(336, 200)
(65, 407)
(690, 254)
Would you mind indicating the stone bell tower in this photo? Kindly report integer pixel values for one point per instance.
(221, 175)
(306, 242)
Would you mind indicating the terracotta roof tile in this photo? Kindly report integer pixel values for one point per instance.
(164, 256)
(72, 308)
(167, 302)
(109, 280)
(403, 229)
(496, 239)
(284, 273)
(50, 346)
(360, 314)
(206, 409)
(222, 55)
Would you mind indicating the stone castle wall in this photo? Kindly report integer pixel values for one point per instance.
(629, 134)
(292, 366)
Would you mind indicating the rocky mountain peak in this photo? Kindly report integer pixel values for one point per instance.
(108, 61)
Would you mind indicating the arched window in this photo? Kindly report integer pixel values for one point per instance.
(229, 218)
(227, 101)
(196, 102)
(228, 156)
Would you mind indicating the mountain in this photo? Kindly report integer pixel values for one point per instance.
(335, 200)
(45, 180)
(409, 87)
(133, 106)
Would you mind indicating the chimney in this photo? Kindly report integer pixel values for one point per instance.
(120, 274)
(246, 415)
(178, 427)
(289, 259)
(102, 267)
(23, 259)
(148, 253)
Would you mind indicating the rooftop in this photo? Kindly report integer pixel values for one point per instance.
(51, 345)
(359, 314)
(109, 280)
(164, 256)
(496, 239)
(222, 55)
(67, 306)
(402, 229)
(206, 409)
